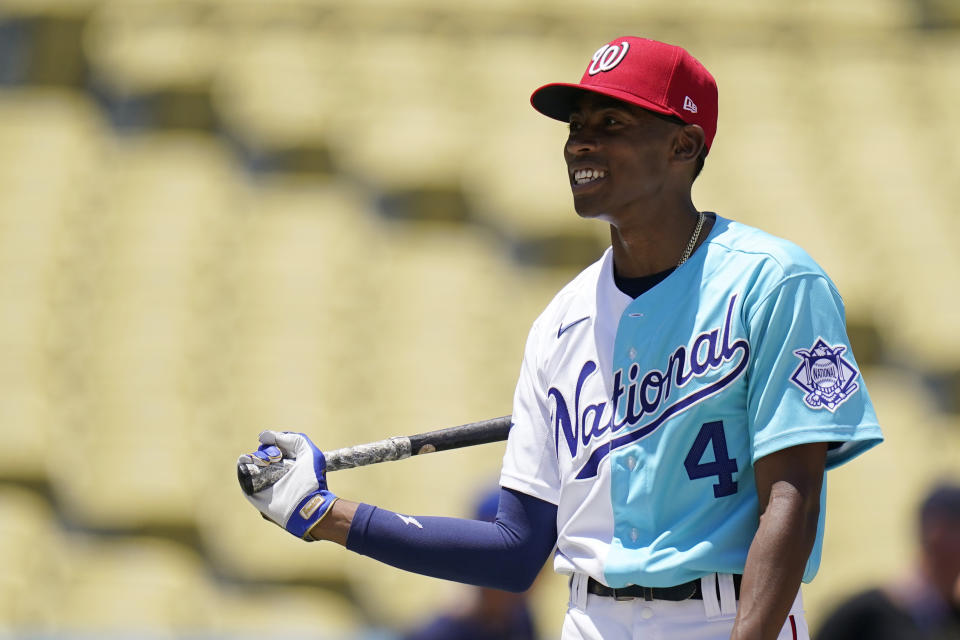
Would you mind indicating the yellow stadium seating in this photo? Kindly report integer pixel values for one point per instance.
(280, 88)
(33, 559)
(81, 583)
(147, 46)
(143, 357)
(291, 610)
(49, 141)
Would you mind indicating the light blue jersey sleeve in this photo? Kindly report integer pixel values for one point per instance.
(804, 383)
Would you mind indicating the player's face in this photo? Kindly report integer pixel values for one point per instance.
(617, 157)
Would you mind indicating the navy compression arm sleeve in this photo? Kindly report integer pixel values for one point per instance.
(505, 554)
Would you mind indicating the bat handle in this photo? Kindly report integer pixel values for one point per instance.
(267, 477)
(395, 448)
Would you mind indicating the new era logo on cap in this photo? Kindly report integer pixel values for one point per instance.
(652, 75)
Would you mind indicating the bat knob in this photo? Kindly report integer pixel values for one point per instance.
(246, 482)
(266, 478)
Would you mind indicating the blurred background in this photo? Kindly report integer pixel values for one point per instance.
(220, 216)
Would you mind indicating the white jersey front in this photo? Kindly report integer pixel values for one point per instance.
(642, 419)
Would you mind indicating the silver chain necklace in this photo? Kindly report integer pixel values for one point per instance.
(693, 238)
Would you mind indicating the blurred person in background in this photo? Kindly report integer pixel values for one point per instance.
(924, 604)
(489, 614)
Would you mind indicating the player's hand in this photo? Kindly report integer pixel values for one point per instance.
(299, 499)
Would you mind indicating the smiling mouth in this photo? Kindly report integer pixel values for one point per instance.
(586, 176)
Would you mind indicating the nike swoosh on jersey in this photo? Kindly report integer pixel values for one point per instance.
(563, 329)
(409, 520)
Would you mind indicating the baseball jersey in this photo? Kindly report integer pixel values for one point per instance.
(641, 419)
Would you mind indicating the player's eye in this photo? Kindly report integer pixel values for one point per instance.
(610, 121)
(575, 126)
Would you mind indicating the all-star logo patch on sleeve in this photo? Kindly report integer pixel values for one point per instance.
(825, 376)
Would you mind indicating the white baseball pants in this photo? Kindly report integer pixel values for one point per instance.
(593, 617)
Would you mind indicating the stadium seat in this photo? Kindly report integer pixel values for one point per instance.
(150, 268)
(861, 14)
(144, 47)
(33, 558)
(151, 64)
(399, 125)
(258, 611)
(123, 585)
(280, 89)
(50, 146)
(136, 585)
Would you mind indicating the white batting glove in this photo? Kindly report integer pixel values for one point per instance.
(299, 499)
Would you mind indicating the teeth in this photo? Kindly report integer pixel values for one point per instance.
(583, 176)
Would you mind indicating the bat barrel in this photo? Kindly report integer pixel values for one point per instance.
(468, 435)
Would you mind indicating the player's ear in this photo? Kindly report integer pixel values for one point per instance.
(688, 143)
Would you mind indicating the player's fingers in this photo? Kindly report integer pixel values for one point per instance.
(268, 437)
(290, 443)
(247, 458)
(272, 452)
(260, 458)
(266, 454)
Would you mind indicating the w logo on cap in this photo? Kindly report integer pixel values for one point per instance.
(607, 57)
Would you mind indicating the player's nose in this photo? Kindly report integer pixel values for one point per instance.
(578, 143)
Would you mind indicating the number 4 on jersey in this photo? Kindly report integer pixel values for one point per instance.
(723, 466)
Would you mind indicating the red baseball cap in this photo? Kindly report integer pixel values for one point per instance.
(659, 77)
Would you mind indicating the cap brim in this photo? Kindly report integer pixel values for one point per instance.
(558, 99)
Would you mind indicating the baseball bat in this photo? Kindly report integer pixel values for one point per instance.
(395, 448)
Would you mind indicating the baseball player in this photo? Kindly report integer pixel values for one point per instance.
(678, 401)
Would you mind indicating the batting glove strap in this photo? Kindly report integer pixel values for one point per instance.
(309, 512)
